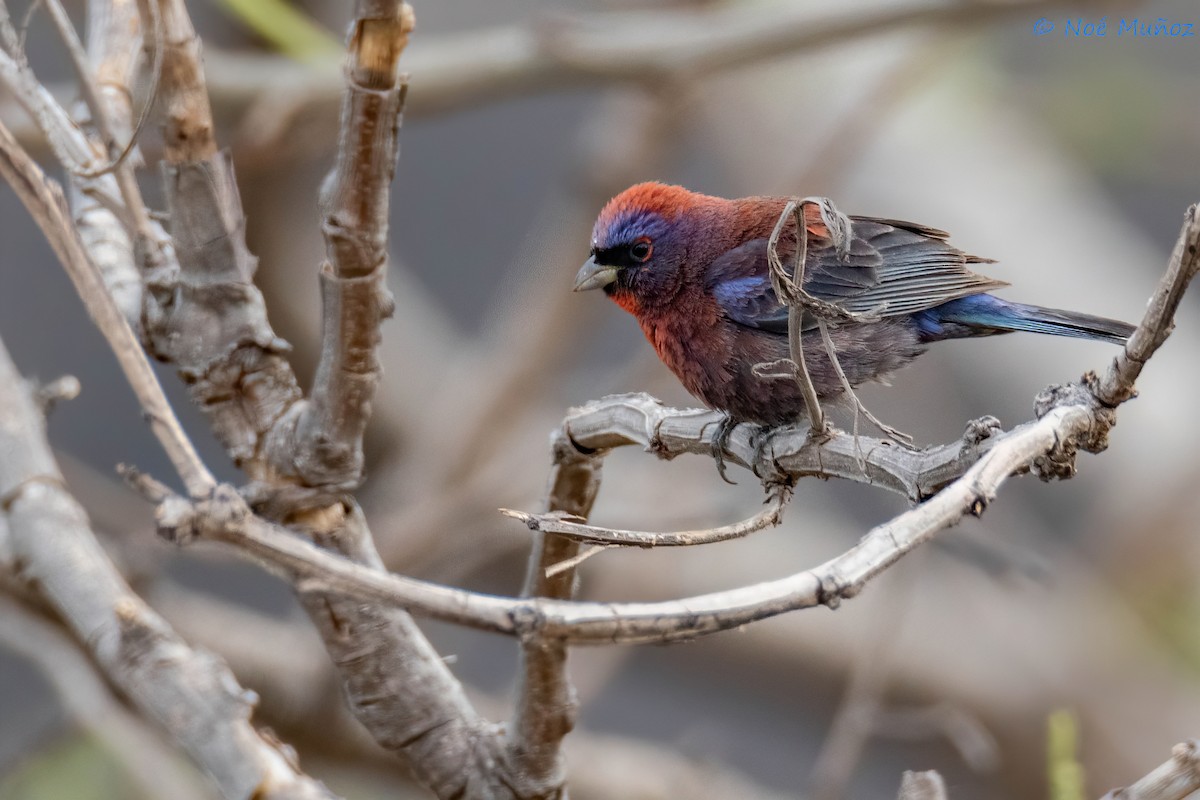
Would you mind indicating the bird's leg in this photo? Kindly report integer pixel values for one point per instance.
(719, 440)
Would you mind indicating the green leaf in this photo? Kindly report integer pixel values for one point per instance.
(75, 766)
(290, 31)
(1062, 763)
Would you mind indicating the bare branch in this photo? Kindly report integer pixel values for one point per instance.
(1159, 320)
(330, 428)
(561, 526)
(45, 201)
(785, 454)
(546, 702)
(106, 205)
(188, 135)
(154, 767)
(1176, 779)
(68, 143)
(224, 517)
(113, 58)
(397, 685)
(203, 313)
(922, 786)
(190, 694)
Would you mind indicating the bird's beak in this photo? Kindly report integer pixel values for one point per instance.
(594, 276)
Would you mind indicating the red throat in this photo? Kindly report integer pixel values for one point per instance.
(625, 299)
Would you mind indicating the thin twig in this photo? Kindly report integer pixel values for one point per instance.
(782, 282)
(1158, 322)
(898, 436)
(123, 240)
(46, 204)
(68, 143)
(105, 38)
(1177, 779)
(789, 288)
(130, 193)
(556, 524)
(574, 561)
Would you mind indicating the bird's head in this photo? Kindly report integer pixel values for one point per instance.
(640, 243)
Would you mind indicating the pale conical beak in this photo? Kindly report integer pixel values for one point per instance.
(594, 276)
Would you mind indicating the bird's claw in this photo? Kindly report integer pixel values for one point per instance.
(720, 439)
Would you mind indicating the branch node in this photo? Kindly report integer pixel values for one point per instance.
(978, 506)
(833, 589)
(176, 520)
(527, 620)
(979, 430)
(1187, 753)
(58, 390)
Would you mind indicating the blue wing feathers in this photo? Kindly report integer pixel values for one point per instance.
(892, 269)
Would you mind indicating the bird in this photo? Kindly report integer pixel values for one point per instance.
(693, 270)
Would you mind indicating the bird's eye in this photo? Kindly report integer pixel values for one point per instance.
(641, 250)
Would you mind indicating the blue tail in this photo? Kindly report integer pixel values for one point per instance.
(983, 314)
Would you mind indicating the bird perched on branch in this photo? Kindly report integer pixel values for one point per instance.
(693, 270)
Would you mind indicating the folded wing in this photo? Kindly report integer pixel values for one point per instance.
(893, 268)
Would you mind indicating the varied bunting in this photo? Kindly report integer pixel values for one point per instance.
(693, 270)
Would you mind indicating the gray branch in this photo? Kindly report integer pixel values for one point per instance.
(922, 786)
(48, 207)
(546, 705)
(1176, 779)
(190, 694)
(329, 429)
(592, 534)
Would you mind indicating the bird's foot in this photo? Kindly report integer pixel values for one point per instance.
(719, 440)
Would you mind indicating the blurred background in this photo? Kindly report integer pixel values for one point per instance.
(1069, 159)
